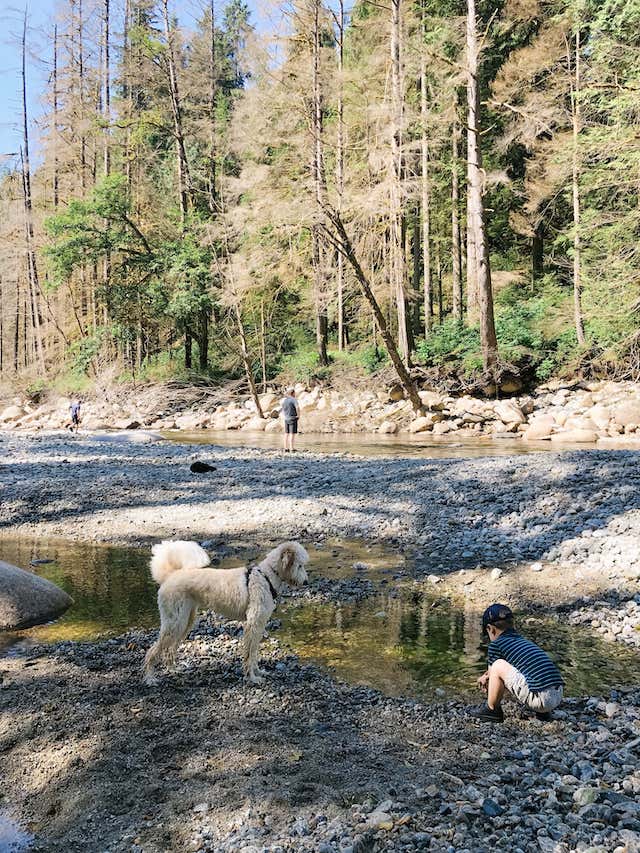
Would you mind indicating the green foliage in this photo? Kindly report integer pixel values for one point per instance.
(450, 342)
(85, 352)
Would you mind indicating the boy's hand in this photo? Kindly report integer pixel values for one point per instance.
(483, 680)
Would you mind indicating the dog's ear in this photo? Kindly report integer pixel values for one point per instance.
(287, 561)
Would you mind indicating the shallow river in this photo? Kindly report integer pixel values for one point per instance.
(369, 444)
(406, 641)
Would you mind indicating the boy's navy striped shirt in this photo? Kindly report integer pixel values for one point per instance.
(537, 667)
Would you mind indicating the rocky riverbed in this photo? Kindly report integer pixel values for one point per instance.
(91, 760)
(569, 413)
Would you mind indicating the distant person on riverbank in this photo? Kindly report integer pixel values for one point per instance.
(74, 408)
(291, 414)
(517, 665)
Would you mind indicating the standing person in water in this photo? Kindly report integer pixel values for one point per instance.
(291, 414)
(517, 665)
(74, 408)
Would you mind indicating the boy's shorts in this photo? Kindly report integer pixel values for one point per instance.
(542, 700)
(291, 427)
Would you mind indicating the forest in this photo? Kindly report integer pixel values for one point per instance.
(439, 184)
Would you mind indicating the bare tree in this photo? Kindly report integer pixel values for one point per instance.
(475, 206)
(340, 20)
(34, 284)
(456, 259)
(397, 260)
(425, 188)
(317, 167)
(576, 121)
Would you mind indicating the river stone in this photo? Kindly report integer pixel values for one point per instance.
(432, 400)
(256, 424)
(388, 428)
(11, 413)
(627, 413)
(509, 412)
(27, 599)
(540, 428)
(421, 425)
(578, 436)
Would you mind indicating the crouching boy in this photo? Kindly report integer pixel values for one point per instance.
(517, 665)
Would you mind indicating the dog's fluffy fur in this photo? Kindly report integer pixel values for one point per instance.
(186, 586)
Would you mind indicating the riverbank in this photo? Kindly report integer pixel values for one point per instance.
(94, 761)
(583, 413)
(576, 513)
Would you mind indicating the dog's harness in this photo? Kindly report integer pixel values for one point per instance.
(274, 593)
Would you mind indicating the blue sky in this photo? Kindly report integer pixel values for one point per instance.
(41, 17)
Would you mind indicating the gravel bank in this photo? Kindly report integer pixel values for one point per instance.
(96, 762)
(579, 512)
(93, 761)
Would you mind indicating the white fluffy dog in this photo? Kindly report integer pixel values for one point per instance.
(246, 594)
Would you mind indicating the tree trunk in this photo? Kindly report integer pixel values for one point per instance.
(188, 349)
(212, 111)
(318, 177)
(263, 346)
(395, 201)
(575, 185)
(184, 176)
(537, 253)
(339, 237)
(54, 133)
(203, 339)
(340, 170)
(425, 188)
(34, 284)
(456, 249)
(245, 360)
(483, 269)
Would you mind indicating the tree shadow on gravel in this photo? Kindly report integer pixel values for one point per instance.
(302, 743)
(453, 513)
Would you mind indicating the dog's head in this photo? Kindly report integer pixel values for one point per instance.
(291, 559)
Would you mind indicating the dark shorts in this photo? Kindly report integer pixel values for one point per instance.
(291, 426)
(75, 418)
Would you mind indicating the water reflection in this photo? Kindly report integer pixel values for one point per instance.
(422, 446)
(415, 643)
(113, 591)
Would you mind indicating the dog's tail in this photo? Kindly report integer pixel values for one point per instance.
(168, 557)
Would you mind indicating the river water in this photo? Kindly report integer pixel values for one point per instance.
(422, 446)
(405, 641)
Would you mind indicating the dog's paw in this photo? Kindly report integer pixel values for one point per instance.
(151, 681)
(254, 678)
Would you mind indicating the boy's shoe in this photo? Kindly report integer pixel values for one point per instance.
(487, 715)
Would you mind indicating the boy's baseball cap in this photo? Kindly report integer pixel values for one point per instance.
(495, 613)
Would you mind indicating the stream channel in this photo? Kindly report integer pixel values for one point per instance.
(403, 640)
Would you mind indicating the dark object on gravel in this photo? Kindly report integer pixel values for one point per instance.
(27, 599)
(44, 561)
(201, 467)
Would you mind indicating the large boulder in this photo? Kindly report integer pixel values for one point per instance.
(600, 415)
(255, 424)
(421, 425)
(540, 428)
(27, 599)
(388, 428)
(11, 413)
(509, 412)
(575, 436)
(432, 400)
(627, 414)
